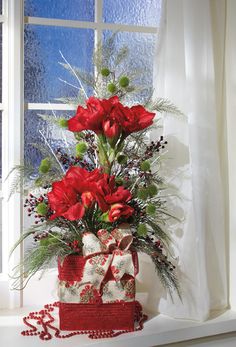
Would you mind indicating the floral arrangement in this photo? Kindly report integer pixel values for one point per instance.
(112, 179)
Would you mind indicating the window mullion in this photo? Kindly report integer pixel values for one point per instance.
(97, 25)
(98, 20)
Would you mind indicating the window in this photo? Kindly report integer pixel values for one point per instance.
(48, 29)
(42, 32)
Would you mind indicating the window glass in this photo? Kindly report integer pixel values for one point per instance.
(140, 59)
(82, 10)
(43, 73)
(36, 128)
(136, 12)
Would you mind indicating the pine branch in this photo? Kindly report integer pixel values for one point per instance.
(164, 105)
(18, 172)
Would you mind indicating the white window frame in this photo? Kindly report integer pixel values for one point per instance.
(12, 141)
(13, 114)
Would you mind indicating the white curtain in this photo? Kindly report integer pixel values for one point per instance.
(190, 72)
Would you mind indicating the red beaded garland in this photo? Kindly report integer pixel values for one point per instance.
(44, 319)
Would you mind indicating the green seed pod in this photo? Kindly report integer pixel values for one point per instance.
(122, 158)
(63, 123)
(81, 148)
(151, 209)
(111, 87)
(124, 81)
(145, 165)
(42, 209)
(142, 230)
(152, 190)
(105, 72)
(143, 194)
(45, 166)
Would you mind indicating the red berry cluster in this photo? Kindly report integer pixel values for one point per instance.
(65, 159)
(155, 147)
(31, 203)
(39, 236)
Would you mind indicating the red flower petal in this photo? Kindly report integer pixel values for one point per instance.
(74, 212)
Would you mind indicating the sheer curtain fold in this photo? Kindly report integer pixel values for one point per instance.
(190, 72)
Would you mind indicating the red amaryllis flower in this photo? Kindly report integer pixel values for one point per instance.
(88, 119)
(107, 193)
(119, 195)
(135, 119)
(81, 179)
(110, 117)
(111, 128)
(63, 202)
(93, 116)
(80, 189)
(119, 210)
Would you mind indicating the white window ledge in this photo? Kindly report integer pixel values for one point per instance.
(158, 330)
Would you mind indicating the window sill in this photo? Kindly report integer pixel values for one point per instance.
(158, 330)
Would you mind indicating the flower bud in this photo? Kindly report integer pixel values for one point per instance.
(105, 72)
(142, 230)
(63, 123)
(124, 81)
(111, 129)
(111, 88)
(145, 165)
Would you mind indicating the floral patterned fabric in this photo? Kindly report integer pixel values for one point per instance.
(103, 255)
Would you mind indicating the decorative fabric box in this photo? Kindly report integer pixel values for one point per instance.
(97, 290)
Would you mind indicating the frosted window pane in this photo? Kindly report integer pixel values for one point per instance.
(136, 12)
(70, 9)
(42, 70)
(140, 59)
(55, 135)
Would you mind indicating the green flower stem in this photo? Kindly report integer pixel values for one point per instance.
(103, 157)
(107, 160)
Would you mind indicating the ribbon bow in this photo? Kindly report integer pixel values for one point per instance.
(108, 251)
